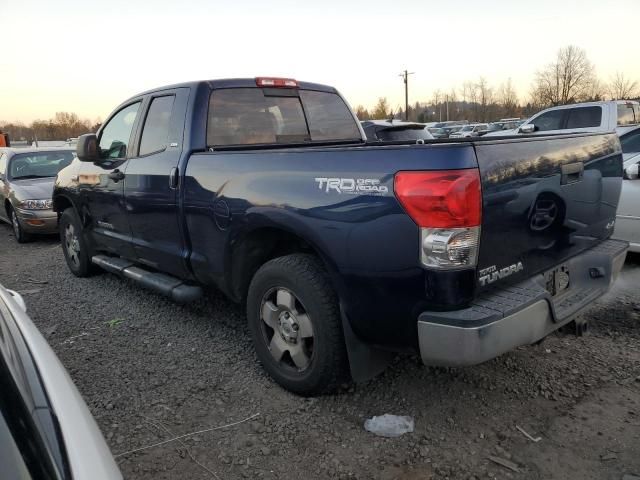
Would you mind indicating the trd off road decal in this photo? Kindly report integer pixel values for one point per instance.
(351, 186)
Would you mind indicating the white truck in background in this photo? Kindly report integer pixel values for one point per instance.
(614, 115)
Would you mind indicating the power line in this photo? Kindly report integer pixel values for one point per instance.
(405, 77)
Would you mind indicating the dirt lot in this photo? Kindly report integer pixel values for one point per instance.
(151, 370)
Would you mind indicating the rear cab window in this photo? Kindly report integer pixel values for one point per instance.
(628, 113)
(278, 116)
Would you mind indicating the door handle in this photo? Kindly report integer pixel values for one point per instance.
(173, 178)
(116, 175)
(571, 173)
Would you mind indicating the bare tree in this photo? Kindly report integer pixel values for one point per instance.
(567, 80)
(484, 98)
(622, 88)
(508, 99)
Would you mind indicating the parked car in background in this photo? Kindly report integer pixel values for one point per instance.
(628, 217)
(438, 132)
(452, 129)
(451, 123)
(46, 429)
(394, 130)
(505, 124)
(26, 186)
(614, 115)
(472, 130)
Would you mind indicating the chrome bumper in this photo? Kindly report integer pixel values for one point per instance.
(517, 315)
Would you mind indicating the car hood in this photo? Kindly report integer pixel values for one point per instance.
(33, 188)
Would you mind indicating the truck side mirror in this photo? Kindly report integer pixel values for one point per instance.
(528, 128)
(631, 172)
(87, 148)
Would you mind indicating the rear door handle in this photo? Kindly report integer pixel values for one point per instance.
(571, 173)
(116, 175)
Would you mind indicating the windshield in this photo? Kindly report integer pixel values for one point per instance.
(468, 128)
(39, 164)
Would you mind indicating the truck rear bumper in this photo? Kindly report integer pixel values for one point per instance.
(521, 314)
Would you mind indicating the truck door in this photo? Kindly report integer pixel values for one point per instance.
(151, 183)
(101, 185)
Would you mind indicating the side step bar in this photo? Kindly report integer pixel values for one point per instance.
(167, 285)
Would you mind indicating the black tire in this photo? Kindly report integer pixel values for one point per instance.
(304, 277)
(18, 232)
(74, 245)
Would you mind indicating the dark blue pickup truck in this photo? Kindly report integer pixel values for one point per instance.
(343, 251)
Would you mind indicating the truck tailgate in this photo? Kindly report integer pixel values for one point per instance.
(545, 199)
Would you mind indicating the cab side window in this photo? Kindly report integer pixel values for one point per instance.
(116, 135)
(549, 121)
(155, 133)
(584, 117)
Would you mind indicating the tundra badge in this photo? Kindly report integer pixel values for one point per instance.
(491, 274)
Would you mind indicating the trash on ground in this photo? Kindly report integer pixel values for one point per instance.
(608, 456)
(533, 439)
(389, 425)
(504, 463)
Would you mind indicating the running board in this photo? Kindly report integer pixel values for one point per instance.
(167, 285)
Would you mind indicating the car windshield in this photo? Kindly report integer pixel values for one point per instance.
(437, 130)
(38, 164)
(468, 128)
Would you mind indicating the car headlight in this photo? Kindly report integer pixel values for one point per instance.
(46, 204)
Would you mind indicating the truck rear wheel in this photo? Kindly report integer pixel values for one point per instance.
(295, 325)
(74, 245)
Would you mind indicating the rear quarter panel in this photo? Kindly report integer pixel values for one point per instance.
(368, 243)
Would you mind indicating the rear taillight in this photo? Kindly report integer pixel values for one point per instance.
(276, 82)
(447, 206)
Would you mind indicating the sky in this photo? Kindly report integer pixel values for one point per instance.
(87, 56)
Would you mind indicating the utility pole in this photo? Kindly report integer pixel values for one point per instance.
(405, 77)
(447, 97)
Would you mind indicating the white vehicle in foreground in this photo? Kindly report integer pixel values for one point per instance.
(473, 130)
(46, 429)
(628, 216)
(615, 115)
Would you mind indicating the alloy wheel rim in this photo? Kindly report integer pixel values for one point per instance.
(72, 244)
(287, 329)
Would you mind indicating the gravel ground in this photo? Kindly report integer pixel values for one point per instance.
(151, 370)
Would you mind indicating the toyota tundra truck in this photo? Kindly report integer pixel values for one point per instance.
(343, 251)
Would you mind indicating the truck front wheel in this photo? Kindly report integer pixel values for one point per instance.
(74, 245)
(295, 325)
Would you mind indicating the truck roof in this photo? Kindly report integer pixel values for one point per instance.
(233, 83)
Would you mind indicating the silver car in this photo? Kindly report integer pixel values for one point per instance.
(628, 216)
(46, 430)
(26, 186)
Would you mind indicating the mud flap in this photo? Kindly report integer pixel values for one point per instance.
(365, 362)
